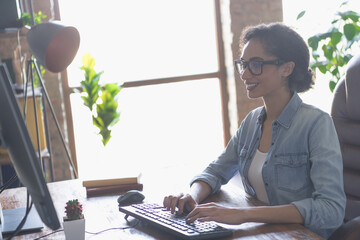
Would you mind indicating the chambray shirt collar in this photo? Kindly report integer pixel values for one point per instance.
(287, 115)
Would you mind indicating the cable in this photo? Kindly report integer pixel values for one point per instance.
(93, 233)
(115, 228)
(60, 230)
(8, 183)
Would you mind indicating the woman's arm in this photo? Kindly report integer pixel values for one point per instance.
(266, 214)
(274, 214)
(200, 190)
(326, 208)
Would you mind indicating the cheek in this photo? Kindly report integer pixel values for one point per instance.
(275, 79)
(272, 84)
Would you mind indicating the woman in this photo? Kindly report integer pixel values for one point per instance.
(286, 152)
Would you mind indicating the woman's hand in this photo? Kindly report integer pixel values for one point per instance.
(216, 212)
(181, 201)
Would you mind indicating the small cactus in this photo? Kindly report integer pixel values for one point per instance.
(73, 210)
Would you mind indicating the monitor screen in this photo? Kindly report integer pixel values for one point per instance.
(16, 139)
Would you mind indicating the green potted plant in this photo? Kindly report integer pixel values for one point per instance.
(26, 18)
(74, 221)
(101, 100)
(331, 50)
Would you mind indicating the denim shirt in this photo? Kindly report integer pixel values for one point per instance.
(303, 166)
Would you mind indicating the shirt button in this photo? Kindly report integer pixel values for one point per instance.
(266, 184)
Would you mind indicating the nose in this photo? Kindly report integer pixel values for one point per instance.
(245, 74)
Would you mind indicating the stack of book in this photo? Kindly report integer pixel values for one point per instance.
(115, 186)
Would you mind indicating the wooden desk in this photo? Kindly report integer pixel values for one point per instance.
(102, 213)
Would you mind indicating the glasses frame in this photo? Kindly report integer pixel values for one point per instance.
(242, 64)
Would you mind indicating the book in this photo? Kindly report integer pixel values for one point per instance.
(110, 182)
(112, 190)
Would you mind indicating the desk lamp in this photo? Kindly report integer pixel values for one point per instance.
(54, 46)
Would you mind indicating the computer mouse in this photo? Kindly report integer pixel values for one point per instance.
(130, 197)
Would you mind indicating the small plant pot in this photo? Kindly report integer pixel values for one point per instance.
(75, 229)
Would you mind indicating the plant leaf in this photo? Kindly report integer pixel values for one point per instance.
(336, 38)
(313, 42)
(300, 15)
(322, 69)
(88, 60)
(349, 31)
(104, 98)
(332, 85)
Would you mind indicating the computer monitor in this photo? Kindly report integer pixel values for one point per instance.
(17, 141)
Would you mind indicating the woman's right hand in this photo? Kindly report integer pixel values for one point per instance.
(182, 202)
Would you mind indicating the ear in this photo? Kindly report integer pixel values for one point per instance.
(287, 68)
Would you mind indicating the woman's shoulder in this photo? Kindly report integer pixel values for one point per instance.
(313, 110)
(250, 120)
(311, 115)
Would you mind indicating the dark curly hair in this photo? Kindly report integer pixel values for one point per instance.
(284, 43)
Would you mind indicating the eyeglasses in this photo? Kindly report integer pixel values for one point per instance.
(254, 65)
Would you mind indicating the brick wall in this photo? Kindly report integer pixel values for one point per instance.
(10, 49)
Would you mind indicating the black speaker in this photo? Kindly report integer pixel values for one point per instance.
(10, 14)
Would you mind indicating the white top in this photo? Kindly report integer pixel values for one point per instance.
(255, 176)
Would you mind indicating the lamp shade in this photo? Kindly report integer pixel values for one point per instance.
(53, 45)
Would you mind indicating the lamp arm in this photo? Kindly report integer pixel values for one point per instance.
(55, 120)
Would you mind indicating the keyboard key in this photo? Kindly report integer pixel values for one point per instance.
(175, 224)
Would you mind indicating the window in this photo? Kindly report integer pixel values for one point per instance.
(166, 55)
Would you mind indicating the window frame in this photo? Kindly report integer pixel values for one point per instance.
(221, 75)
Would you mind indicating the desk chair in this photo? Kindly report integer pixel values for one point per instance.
(345, 112)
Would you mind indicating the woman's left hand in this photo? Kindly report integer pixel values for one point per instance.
(216, 212)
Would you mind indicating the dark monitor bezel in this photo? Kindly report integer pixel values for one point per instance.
(22, 153)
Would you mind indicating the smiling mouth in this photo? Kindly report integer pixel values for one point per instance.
(251, 86)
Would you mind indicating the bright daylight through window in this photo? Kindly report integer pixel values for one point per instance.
(160, 125)
(171, 123)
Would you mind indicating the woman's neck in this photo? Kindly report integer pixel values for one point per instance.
(275, 105)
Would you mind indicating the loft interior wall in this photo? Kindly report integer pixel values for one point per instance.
(242, 13)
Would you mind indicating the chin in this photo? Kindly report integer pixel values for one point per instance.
(252, 95)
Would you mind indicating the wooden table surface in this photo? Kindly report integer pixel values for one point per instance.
(102, 212)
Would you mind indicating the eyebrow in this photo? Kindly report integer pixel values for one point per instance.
(253, 58)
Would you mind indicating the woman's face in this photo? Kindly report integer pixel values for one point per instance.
(271, 82)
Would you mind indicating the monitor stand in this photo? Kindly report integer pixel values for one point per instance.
(11, 218)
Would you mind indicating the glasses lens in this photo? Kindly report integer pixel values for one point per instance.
(239, 66)
(255, 67)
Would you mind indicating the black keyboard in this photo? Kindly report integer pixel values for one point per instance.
(174, 224)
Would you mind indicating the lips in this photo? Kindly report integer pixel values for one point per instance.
(251, 86)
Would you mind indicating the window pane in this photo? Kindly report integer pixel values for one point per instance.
(160, 125)
(142, 39)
